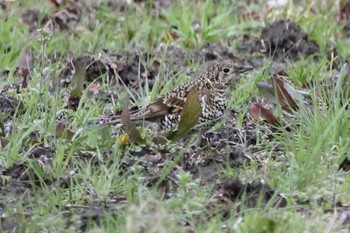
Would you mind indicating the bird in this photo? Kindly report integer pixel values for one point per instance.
(212, 88)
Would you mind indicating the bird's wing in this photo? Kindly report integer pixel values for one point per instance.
(159, 108)
(172, 102)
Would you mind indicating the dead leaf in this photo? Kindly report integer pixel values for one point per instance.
(189, 116)
(55, 3)
(286, 101)
(281, 92)
(297, 95)
(25, 63)
(258, 111)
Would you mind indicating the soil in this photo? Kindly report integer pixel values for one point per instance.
(281, 40)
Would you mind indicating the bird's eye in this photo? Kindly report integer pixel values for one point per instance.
(226, 70)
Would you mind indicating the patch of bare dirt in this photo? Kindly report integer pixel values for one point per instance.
(9, 105)
(281, 40)
(284, 39)
(233, 193)
(345, 165)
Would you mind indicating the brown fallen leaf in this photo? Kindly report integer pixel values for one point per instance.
(286, 101)
(282, 93)
(55, 3)
(258, 111)
(26, 62)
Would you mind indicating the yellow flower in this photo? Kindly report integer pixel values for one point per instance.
(123, 139)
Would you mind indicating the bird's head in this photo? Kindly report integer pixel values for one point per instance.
(224, 73)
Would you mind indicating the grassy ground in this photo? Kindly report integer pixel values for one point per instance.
(60, 174)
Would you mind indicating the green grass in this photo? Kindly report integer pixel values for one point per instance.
(134, 191)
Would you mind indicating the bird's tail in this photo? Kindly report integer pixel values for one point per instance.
(135, 115)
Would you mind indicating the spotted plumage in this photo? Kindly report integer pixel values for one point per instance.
(212, 88)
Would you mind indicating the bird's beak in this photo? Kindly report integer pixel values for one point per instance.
(242, 69)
